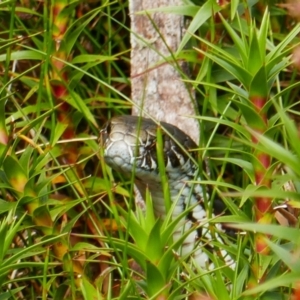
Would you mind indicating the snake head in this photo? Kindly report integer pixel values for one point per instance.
(130, 142)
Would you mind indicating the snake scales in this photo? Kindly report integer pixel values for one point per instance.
(130, 146)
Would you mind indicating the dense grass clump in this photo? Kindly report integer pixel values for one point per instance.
(69, 228)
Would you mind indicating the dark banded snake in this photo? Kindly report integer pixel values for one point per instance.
(129, 144)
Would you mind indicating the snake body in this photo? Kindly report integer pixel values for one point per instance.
(130, 146)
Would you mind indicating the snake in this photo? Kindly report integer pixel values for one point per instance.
(130, 147)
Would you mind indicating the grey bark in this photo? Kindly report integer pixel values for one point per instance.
(157, 87)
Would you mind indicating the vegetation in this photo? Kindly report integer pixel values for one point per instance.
(68, 229)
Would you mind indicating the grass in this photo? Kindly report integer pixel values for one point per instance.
(68, 229)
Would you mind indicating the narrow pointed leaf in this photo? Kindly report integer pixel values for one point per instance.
(209, 8)
(262, 34)
(255, 59)
(259, 84)
(15, 174)
(239, 43)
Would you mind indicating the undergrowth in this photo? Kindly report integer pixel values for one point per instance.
(69, 227)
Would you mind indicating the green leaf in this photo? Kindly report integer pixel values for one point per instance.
(162, 169)
(262, 35)
(42, 218)
(156, 284)
(209, 8)
(24, 55)
(27, 11)
(99, 185)
(132, 250)
(291, 130)
(10, 294)
(76, 101)
(287, 256)
(60, 128)
(250, 188)
(277, 151)
(23, 253)
(9, 227)
(73, 32)
(85, 58)
(239, 91)
(234, 69)
(237, 127)
(89, 292)
(276, 53)
(61, 290)
(282, 232)
(136, 230)
(252, 117)
(15, 174)
(282, 280)
(6, 206)
(259, 85)
(255, 59)
(26, 158)
(240, 43)
(233, 9)
(155, 246)
(243, 164)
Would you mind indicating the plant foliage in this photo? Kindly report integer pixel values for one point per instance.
(69, 228)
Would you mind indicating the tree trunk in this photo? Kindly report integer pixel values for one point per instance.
(157, 87)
